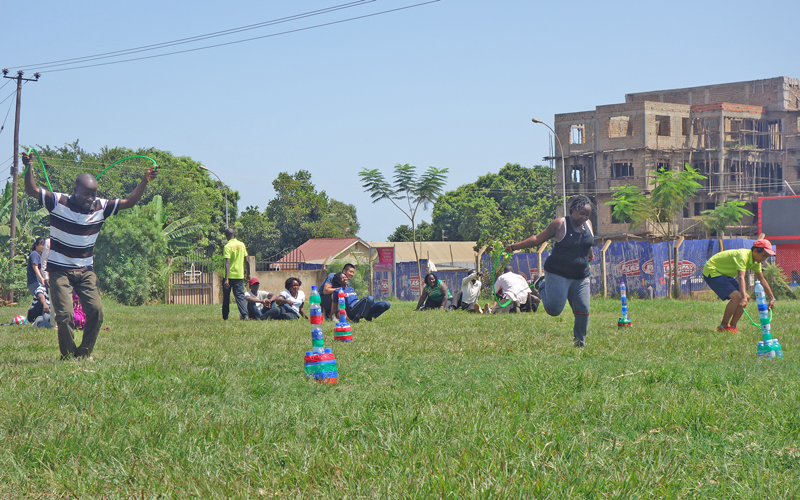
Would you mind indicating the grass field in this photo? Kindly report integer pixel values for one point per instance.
(179, 404)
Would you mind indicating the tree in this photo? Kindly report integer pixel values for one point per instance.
(296, 208)
(403, 232)
(130, 256)
(414, 191)
(729, 213)
(507, 206)
(661, 207)
(258, 233)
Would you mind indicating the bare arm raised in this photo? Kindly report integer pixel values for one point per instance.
(534, 241)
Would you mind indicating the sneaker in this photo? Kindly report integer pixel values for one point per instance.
(725, 329)
(538, 283)
(477, 308)
(579, 343)
(733, 329)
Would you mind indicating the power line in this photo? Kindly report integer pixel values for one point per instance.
(180, 41)
(246, 39)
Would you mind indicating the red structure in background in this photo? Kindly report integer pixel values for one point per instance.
(779, 220)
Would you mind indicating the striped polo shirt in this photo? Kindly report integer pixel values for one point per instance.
(73, 230)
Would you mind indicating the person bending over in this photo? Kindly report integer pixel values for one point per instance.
(724, 273)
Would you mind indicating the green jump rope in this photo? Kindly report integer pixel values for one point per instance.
(46, 178)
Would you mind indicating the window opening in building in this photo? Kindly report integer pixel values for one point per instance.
(685, 126)
(662, 165)
(622, 169)
(576, 135)
(577, 173)
(662, 126)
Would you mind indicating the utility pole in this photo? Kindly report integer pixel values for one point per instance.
(15, 165)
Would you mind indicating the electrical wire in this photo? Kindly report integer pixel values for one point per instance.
(9, 96)
(206, 36)
(244, 40)
(6, 118)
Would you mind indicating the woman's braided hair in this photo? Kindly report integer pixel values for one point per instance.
(579, 201)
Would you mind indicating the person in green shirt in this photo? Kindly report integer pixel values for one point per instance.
(724, 273)
(234, 254)
(435, 295)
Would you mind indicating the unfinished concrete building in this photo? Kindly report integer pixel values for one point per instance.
(745, 137)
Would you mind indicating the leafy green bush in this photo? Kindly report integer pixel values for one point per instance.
(777, 280)
(13, 279)
(130, 257)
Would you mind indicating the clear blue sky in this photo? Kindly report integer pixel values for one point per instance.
(450, 84)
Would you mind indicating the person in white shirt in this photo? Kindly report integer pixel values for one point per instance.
(512, 290)
(291, 301)
(467, 297)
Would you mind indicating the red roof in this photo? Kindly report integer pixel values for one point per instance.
(318, 249)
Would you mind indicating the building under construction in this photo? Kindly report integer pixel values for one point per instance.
(745, 137)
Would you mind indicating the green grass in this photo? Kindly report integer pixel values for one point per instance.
(179, 404)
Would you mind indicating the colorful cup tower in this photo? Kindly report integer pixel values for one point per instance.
(769, 347)
(320, 363)
(343, 332)
(624, 321)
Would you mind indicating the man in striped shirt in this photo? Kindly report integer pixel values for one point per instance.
(75, 222)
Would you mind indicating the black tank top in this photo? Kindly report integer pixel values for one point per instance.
(570, 256)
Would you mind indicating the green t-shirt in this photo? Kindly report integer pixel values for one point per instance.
(235, 251)
(730, 262)
(435, 293)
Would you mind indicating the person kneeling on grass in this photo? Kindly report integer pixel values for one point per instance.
(39, 312)
(724, 273)
(356, 309)
(435, 295)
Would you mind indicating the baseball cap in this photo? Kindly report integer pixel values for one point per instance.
(765, 244)
(253, 281)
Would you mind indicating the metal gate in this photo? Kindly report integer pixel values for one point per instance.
(193, 283)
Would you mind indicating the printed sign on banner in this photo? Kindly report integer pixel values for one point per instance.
(413, 283)
(534, 273)
(686, 267)
(385, 260)
(384, 286)
(630, 268)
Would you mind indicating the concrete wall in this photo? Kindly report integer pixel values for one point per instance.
(273, 281)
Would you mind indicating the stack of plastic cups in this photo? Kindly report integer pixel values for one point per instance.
(322, 367)
(320, 364)
(343, 332)
(624, 321)
(769, 347)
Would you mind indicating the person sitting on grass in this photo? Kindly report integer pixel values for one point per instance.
(467, 297)
(356, 309)
(259, 302)
(39, 312)
(326, 289)
(290, 302)
(724, 273)
(435, 294)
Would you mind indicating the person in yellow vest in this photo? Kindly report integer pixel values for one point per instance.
(234, 254)
(724, 273)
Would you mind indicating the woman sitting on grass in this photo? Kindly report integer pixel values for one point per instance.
(435, 294)
(289, 302)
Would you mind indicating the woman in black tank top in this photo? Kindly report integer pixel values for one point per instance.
(567, 267)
